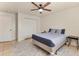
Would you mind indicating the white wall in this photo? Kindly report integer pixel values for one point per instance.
(68, 19)
(7, 26)
(23, 26)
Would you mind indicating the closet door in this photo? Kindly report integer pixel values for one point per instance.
(7, 27)
(28, 27)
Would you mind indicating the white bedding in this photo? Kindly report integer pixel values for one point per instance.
(55, 38)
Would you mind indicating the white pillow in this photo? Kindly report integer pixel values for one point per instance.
(57, 31)
(53, 31)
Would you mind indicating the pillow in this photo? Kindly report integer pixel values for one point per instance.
(63, 31)
(49, 30)
(58, 31)
(52, 30)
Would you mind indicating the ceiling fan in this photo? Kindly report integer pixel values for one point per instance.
(41, 7)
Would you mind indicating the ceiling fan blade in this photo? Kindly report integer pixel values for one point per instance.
(46, 4)
(35, 4)
(47, 9)
(33, 9)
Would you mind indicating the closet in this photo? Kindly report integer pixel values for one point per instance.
(17, 26)
(27, 25)
(7, 26)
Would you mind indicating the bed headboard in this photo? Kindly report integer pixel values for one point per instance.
(61, 31)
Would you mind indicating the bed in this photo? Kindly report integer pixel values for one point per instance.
(50, 41)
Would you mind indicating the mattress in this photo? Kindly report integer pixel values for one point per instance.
(49, 39)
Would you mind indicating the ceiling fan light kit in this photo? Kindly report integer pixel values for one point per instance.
(41, 7)
(40, 10)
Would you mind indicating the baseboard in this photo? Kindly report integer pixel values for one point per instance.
(8, 41)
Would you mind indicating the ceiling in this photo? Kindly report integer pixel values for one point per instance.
(25, 7)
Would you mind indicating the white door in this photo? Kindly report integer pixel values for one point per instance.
(28, 27)
(7, 27)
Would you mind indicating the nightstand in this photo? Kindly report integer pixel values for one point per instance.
(69, 38)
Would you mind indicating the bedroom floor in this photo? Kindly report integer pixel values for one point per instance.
(26, 48)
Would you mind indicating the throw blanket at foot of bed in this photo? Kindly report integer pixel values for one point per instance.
(52, 41)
